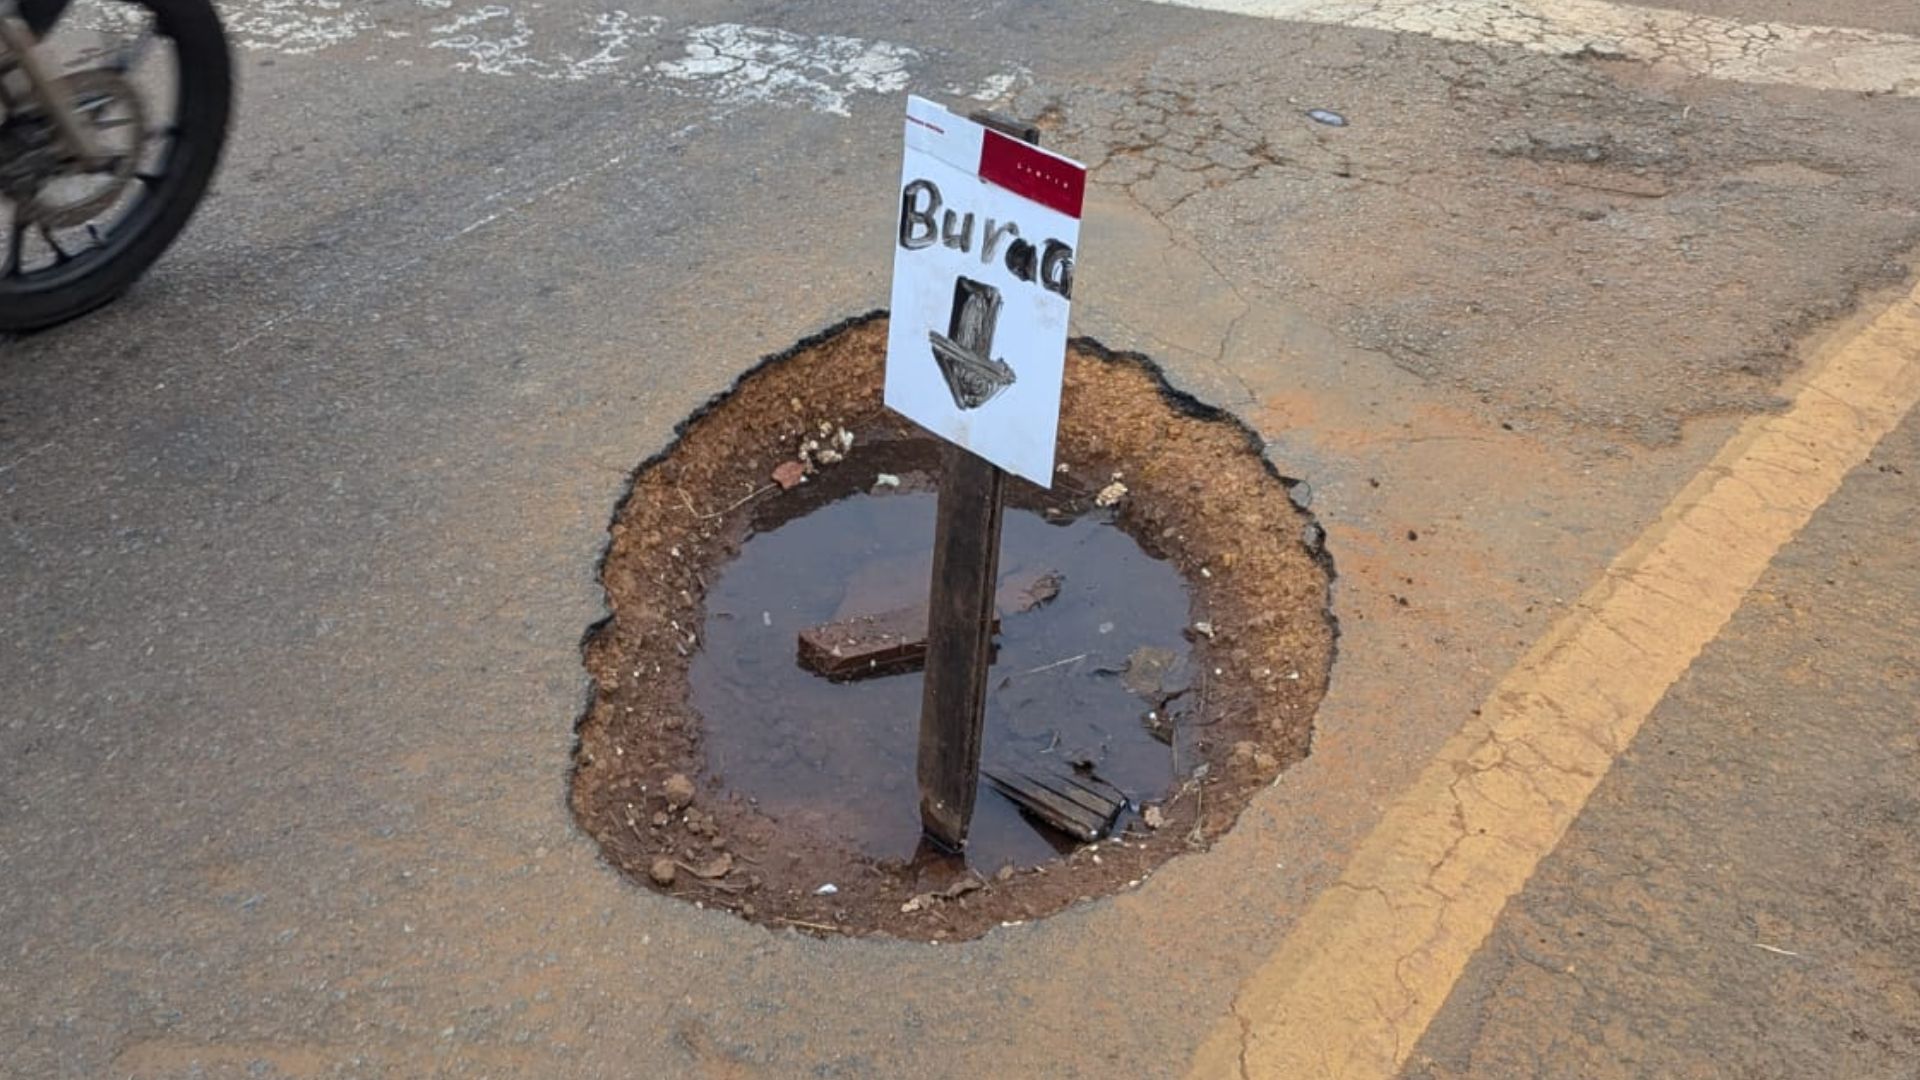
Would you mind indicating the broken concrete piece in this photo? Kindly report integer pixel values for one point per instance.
(868, 645)
(892, 642)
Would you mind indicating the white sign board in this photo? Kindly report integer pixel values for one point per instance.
(982, 278)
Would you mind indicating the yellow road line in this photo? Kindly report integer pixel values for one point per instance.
(1361, 975)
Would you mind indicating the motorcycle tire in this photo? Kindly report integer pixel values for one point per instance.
(203, 105)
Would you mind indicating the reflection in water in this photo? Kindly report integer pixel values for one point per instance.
(837, 759)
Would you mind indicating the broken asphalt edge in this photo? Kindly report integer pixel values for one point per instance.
(1181, 400)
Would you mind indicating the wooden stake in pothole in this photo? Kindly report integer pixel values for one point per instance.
(976, 346)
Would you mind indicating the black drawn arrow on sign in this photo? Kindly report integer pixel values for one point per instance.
(964, 352)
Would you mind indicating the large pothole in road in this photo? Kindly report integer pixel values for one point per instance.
(1164, 635)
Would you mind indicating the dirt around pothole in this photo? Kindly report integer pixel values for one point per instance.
(1183, 659)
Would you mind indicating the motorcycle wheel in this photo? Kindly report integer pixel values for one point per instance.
(65, 248)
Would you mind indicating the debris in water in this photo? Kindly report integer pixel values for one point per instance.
(798, 740)
(867, 645)
(1021, 593)
(892, 642)
(1077, 803)
(1327, 117)
(1154, 673)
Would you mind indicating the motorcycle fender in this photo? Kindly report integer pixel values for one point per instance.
(40, 15)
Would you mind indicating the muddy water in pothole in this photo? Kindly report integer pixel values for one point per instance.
(837, 759)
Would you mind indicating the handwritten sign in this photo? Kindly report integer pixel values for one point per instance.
(984, 248)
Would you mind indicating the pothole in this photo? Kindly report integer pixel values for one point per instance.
(1164, 630)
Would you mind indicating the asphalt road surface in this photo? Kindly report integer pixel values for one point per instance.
(300, 539)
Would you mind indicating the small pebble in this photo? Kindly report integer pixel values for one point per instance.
(662, 871)
(678, 791)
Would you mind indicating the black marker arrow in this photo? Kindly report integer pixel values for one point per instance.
(964, 352)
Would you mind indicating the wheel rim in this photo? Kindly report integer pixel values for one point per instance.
(122, 69)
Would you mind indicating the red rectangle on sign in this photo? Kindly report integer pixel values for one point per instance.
(1030, 174)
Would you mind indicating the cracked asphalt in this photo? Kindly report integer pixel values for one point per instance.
(301, 535)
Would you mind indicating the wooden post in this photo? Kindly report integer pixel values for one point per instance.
(966, 558)
(966, 566)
